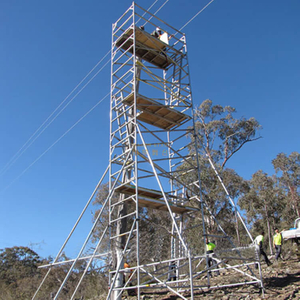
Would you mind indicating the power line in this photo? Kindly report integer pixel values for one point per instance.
(93, 106)
(27, 146)
(156, 11)
(35, 135)
(200, 11)
(63, 135)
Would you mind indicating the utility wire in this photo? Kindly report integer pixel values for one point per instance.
(93, 106)
(200, 11)
(147, 10)
(35, 135)
(151, 6)
(63, 135)
(156, 11)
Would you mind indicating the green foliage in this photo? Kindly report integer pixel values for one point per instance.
(273, 201)
(20, 277)
(220, 134)
(289, 167)
(18, 272)
(268, 201)
(219, 137)
(263, 203)
(17, 263)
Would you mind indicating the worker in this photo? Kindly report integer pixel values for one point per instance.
(157, 32)
(126, 266)
(131, 291)
(277, 241)
(259, 243)
(210, 246)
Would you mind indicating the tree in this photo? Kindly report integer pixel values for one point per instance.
(18, 272)
(263, 203)
(18, 263)
(289, 166)
(217, 205)
(220, 135)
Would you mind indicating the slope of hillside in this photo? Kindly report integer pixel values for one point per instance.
(281, 282)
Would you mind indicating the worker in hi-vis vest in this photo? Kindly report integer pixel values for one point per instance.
(259, 242)
(209, 250)
(277, 241)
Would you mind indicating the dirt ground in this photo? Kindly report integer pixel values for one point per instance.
(281, 282)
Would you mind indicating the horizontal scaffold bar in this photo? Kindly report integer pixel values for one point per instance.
(152, 199)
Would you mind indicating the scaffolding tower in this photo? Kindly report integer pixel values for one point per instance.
(154, 170)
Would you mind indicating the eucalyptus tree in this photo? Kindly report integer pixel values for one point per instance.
(263, 203)
(220, 135)
(289, 169)
(17, 263)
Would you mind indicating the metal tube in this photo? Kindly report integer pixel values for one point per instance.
(73, 229)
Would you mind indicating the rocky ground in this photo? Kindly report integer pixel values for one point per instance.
(281, 282)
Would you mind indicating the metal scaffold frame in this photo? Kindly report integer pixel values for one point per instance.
(151, 115)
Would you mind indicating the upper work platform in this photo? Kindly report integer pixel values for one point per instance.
(147, 47)
(156, 113)
(152, 199)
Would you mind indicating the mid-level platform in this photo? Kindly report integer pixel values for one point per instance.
(153, 199)
(147, 47)
(155, 113)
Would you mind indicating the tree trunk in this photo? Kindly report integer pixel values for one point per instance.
(269, 234)
(294, 200)
(237, 228)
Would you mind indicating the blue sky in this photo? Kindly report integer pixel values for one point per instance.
(241, 53)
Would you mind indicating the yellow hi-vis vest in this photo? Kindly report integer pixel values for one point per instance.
(210, 246)
(258, 239)
(277, 239)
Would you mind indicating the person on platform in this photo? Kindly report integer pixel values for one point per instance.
(157, 32)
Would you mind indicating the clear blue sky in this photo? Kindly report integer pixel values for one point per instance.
(241, 53)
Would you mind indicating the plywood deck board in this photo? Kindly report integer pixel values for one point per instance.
(161, 205)
(148, 47)
(130, 190)
(142, 37)
(155, 113)
(152, 199)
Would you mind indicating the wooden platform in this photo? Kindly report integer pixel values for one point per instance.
(155, 113)
(152, 199)
(148, 47)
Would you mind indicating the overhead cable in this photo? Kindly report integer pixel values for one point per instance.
(39, 131)
(92, 107)
(200, 11)
(63, 135)
(34, 136)
(27, 144)
(156, 11)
